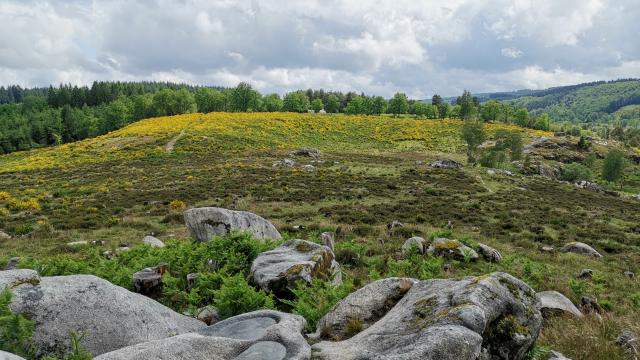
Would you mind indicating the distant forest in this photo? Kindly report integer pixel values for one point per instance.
(38, 117)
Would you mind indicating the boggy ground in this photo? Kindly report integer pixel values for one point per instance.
(356, 191)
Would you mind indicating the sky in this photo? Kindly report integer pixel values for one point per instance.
(419, 47)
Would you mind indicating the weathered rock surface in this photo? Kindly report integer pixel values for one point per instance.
(4, 235)
(580, 248)
(8, 356)
(153, 241)
(284, 163)
(12, 264)
(205, 223)
(279, 269)
(489, 253)
(630, 274)
(310, 152)
(587, 185)
(585, 274)
(554, 303)
(414, 242)
(554, 355)
(451, 249)
(208, 315)
(445, 320)
(111, 317)
(328, 240)
(362, 308)
(259, 335)
(445, 164)
(630, 342)
(13, 278)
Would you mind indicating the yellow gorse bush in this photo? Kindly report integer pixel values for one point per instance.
(251, 131)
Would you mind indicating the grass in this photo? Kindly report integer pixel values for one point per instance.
(373, 170)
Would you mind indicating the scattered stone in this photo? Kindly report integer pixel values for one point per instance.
(208, 315)
(554, 355)
(4, 236)
(449, 224)
(493, 315)
(547, 249)
(309, 168)
(205, 223)
(153, 241)
(78, 243)
(258, 335)
(110, 317)
(587, 185)
(589, 304)
(499, 171)
(489, 253)
(12, 264)
(580, 248)
(452, 249)
(630, 342)
(278, 270)
(414, 242)
(547, 171)
(122, 249)
(328, 240)
(445, 164)
(97, 242)
(124, 244)
(630, 274)
(284, 163)
(394, 225)
(191, 279)
(9, 356)
(361, 309)
(310, 152)
(298, 227)
(108, 254)
(586, 274)
(552, 303)
(448, 268)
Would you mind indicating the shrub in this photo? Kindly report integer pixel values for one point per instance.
(177, 205)
(635, 299)
(15, 330)
(415, 266)
(575, 172)
(313, 301)
(236, 296)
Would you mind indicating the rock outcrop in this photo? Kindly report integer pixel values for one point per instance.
(259, 335)
(554, 355)
(8, 356)
(205, 223)
(310, 152)
(110, 316)
(554, 303)
(279, 269)
(580, 248)
(445, 164)
(452, 249)
(493, 315)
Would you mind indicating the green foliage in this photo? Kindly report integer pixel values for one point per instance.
(313, 301)
(77, 350)
(236, 296)
(575, 172)
(399, 104)
(473, 135)
(15, 330)
(614, 164)
(333, 104)
(415, 265)
(209, 100)
(244, 98)
(538, 353)
(272, 102)
(296, 101)
(317, 105)
(635, 299)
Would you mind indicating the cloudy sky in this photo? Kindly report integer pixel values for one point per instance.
(379, 47)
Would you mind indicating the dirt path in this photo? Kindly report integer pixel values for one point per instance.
(172, 143)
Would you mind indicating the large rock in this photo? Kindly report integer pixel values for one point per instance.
(205, 223)
(153, 241)
(452, 249)
(554, 303)
(489, 253)
(414, 242)
(361, 309)
(259, 335)
(8, 356)
(495, 315)
(445, 164)
(580, 248)
(279, 269)
(110, 316)
(13, 278)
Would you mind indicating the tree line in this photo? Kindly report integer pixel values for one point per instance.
(31, 118)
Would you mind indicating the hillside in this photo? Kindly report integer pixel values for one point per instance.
(114, 189)
(589, 102)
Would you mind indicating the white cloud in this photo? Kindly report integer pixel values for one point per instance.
(511, 53)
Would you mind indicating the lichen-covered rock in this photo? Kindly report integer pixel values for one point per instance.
(13, 278)
(414, 242)
(361, 309)
(205, 223)
(585, 274)
(445, 164)
(259, 335)
(208, 315)
(554, 303)
(310, 152)
(445, 320)
(279, 269)
(153, 241)
(580, 248)
(110, 316)
(489, 253)
(452, 249)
